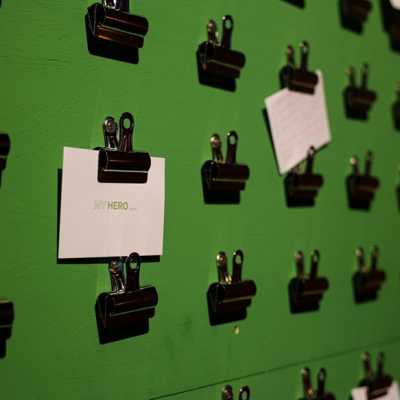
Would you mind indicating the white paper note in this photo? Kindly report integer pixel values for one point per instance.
(395, 4)
(297, 121)
(109, 219)
(361, 393)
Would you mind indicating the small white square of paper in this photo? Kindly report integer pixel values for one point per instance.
(362, 394)
(395, 4)
(101, 220)
(297, 121)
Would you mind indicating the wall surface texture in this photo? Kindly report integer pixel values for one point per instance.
(55, 94)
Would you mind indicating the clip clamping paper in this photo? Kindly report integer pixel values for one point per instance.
(102, 220)
(298, 121)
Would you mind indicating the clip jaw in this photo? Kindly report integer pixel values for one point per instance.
(114, 33)
(309, 392)
(6, 321)
(361, 188)
(125, 311)
(301, 189)
(358, 99)
(219, 65)
(377, 383)
(118, 163)
(391, 22)
(4, 150)
(367, 281)
(223, 180)
(396, 109)
(354, 13)
(229, 298)
(306, 290)
(298, 78)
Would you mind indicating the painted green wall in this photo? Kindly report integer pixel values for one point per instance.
(54, 94)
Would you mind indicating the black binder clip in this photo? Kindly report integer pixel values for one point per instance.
(118, 163)
(126, 310)
(396, 109)
(302, 188)
(114, 33)
(227, 393)
(229, 298)
(6, 321)
(354, 13)
(378, 383)
(223, 180)
(217, 64)
(361, 188)
(367, 281)
(306, 291)
(391, 23)
(4, 150)
(358, 100)
(298, 3)
(298, 78)
(309, 392)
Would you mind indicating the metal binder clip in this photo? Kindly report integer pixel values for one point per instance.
(302, 188)
(223, 180)
(118, 163)
(358, 99)
(227, 393)
(113, 32)
(396, 109)
(4, 150)
(306, 290)
(309, 392)
(391, 22)
(354, 13)
(6, 320)
(298, 78)
(219, 65)
(367, 281)
(361, 188)
(229, 298)
(377, 383)
(126, 310)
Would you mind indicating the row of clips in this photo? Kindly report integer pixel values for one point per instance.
(125, 311)
(376, 382)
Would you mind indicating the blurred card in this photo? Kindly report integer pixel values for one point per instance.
(297, 122)
(362, 394)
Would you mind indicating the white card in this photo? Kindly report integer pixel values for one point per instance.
(297, 121)
(109, 219)
(361, 393)
(395, 4)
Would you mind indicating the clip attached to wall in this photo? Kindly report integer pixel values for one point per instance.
(391, 22)
(361, 188)
(229, 298)
(377, 383)
(114, 33)
(5, 145)
(6, 321)
(358, 99)
(396, 109)
(118, 163)
(367, 281)
(218, 65)
(227, 393)
(223, 180)
(306, 290)
(315, 394)
(354, 13)
(302, 188)
(298, 78)
(126, 310)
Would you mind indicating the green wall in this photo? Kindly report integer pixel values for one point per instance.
(55, 94)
